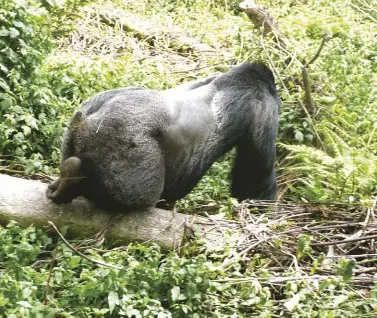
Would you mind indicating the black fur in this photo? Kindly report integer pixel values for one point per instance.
(137, 146)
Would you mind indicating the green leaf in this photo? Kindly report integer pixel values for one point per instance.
(4, 32)
(13, 33)
(24, 303)
(26, 130)
(26, 292)
(175, 291)
(299, 136)
(327, 100)
(303, 246)
(4, 85)
(6, 103)
(18, 110)
(4, 68)
(291, 304)
(31, 121)
(18, 24)
(133, 313)
(51, 2)
(339, 300)
(348, 270)
(58, 275)
(113, 300)
(75, 261)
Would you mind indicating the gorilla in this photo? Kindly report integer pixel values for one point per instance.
(129, 148)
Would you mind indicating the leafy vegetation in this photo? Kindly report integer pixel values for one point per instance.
(30, 127)
(55, 54)
(338, 164)
(41, 278)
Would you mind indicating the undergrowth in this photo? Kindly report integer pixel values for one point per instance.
(41, 277)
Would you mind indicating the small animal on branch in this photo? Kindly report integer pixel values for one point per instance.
(129, 148)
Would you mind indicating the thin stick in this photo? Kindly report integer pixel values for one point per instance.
(282, 279)
(72, 248)
(324, 40)
(47, 288)
(308, 93)
(363, 238)
(305, 75)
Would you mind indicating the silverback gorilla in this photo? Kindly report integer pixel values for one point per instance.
(129, 148)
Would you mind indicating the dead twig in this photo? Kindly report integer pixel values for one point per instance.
(73, 249)
(305, 75)
(284, 279)
(363, 238)
(52, 264)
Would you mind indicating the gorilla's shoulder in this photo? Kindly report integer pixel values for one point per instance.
(256, 70)
(248, 74)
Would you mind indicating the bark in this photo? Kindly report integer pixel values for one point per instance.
(25, 202)
(263, 20)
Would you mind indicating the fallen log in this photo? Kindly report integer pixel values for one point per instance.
(149, 32)
(25, 202)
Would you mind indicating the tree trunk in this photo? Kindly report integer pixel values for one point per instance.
(263, 20)
(25, 202)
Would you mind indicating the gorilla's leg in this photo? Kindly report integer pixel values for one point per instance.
(118, 178)
(67, 187)
(123, 177)
(253, 174)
